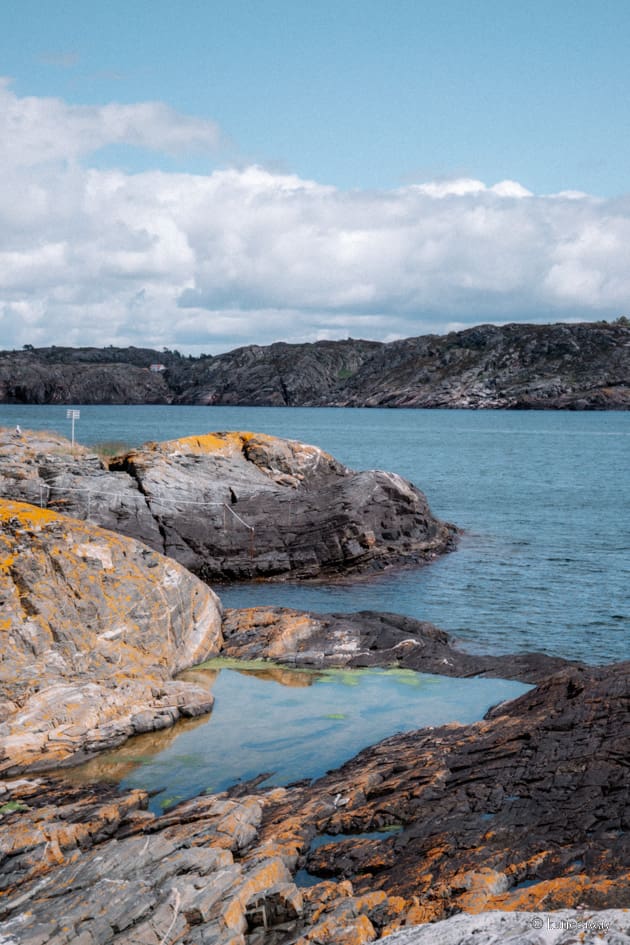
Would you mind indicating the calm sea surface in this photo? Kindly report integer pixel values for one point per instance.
(544, 498)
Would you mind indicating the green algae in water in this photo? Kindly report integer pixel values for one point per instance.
(167, 802)
(300, 729)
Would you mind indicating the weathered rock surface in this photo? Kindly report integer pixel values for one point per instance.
(513, 366)
(368, 638)
(233, 506)
(525, 811)
(523, 928)
(93, 626)
(528, 809)
(81, 867)
(577, 366)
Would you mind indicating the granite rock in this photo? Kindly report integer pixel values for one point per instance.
(523, 928)
(519, 816)
(87, 866)
(559, 366)
(233, 506)
(528, 809)
(93, 628)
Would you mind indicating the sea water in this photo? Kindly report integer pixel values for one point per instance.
(543, 498)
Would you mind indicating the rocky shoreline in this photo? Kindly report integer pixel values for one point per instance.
(369, 638)
(559, 366)
(94, 629)
(526, 810)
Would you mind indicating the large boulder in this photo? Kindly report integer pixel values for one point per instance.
(243, 505)
(93, 626)
(233, 506)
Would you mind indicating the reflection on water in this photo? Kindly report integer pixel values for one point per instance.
(294, 723)
(206, 673)
(141, 750)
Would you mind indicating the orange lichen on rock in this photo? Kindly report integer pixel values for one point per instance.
(94, 627)
(600, 892)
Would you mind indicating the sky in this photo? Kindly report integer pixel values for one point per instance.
(204, 175)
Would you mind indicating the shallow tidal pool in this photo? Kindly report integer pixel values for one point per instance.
(290, 723)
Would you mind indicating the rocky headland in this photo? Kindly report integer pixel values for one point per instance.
(558, 366)
(232, 506)
(369, 638)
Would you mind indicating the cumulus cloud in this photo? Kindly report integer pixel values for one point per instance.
(205, 262)
(35, 131)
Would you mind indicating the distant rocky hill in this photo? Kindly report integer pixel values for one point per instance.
(575, 366)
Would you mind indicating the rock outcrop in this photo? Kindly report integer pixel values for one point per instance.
(233, 506)
(577, 366)
(87, 867)
(523, 928)
(368, 638)
(523, 812)
(93, 627)
(513, 366)
(526, 810)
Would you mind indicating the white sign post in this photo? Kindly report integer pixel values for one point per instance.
(73, 415)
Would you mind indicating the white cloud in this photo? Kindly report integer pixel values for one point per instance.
(34, 131)
(205, 262)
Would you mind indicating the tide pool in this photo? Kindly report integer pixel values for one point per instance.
(291, 724)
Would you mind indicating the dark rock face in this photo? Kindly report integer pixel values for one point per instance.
(528, 809)
(514, 366)
(278, 375)
(24, 379)
(233, 506)
(368, 638)
(561, 366)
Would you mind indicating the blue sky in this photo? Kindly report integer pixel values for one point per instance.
(366, 100)
(358, 93)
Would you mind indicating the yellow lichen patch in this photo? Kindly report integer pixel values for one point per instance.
(5, 563)
(342, 927)
(27, 515)
(564, 892)
(269, 873)
(81, 604)
(206, 443)
(293, 631)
